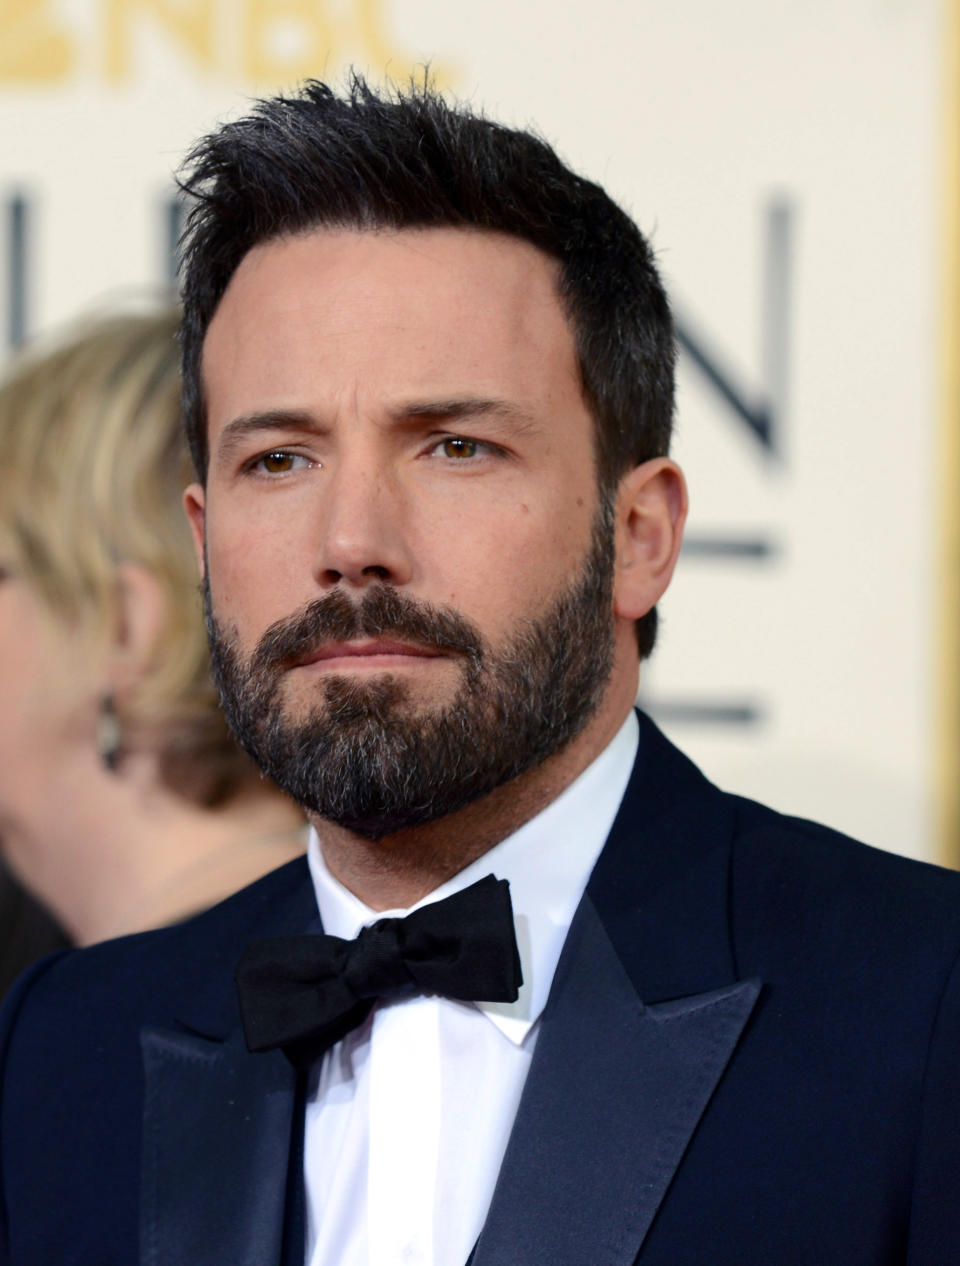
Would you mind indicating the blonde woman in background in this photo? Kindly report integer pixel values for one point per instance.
(124, 802)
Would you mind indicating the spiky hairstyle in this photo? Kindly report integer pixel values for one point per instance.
(409, 159)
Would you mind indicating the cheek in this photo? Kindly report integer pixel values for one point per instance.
(47, 698)
(256, 573)
(512, 568)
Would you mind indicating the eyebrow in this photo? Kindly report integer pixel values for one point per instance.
(470, 407)
(237, 430)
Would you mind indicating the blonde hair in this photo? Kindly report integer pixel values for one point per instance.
(94, 464)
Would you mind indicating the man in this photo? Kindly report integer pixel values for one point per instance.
(428, 384)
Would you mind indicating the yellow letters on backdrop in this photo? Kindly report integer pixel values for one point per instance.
(279, 41)
(33, 48)
(285, 40)
(192, 25)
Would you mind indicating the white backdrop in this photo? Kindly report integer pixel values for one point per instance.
(784, 157)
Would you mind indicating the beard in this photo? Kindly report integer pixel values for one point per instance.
(364, 754)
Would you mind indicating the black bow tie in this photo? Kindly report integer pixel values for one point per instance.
(303, 993)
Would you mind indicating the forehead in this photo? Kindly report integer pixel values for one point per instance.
(388, 314)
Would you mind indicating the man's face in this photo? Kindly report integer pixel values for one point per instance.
(401, 500)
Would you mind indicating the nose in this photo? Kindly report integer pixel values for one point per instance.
(363, 534)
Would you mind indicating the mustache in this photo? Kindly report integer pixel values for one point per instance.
(381, 611)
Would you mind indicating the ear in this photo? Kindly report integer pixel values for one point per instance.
(194, 503)
(651, 512)
(140, 623)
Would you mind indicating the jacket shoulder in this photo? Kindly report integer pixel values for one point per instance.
(805, 885)
(150, 975)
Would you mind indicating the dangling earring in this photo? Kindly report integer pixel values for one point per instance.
(109, 734)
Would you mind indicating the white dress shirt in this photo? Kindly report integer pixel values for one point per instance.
(408, 1116)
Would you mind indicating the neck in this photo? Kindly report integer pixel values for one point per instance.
(119, 853)
(236, 854)
(397, 870)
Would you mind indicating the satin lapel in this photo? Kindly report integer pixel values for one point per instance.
(218, 1121)
(614, 1094)
(216, 1147)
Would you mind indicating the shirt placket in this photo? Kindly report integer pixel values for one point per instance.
(405, 1117)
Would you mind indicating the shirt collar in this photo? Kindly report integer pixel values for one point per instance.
(547, 861)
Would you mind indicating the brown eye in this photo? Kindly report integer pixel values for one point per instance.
(459, 448)
(277, 463)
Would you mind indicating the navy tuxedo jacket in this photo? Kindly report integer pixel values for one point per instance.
(751, 1054)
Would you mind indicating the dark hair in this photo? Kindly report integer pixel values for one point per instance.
(410, 160)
